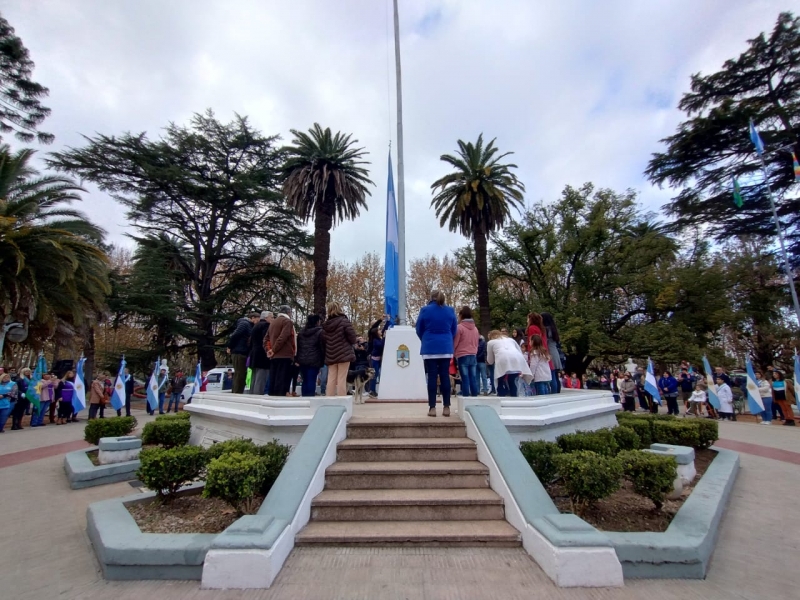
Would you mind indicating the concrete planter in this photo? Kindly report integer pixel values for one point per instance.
(125, 552)
(82, 473)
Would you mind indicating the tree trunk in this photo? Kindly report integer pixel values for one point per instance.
(205, 344)
(88, 353)
(323, 222)
(482, 274)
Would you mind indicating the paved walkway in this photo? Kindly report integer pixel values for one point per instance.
(45, 553)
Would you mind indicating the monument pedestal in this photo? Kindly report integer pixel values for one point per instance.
(402, 370)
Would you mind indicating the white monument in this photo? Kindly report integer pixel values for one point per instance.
(402, 370)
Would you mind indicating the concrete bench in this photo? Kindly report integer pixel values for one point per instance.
(683, 455)
(119, 449)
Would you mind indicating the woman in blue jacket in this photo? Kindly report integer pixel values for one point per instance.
(436, 327)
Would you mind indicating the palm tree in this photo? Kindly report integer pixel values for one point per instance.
(475, 200)
(51, 263)
(323, 179)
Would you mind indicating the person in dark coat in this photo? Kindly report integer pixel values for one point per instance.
(259, 361)
(339, 338)
(375, 345)
(310, 354)
(129, 383)
(239, 348)
(483, 373)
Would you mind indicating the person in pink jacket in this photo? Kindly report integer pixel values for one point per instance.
(466, 350)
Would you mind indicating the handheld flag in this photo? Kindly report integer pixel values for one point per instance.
(79, 397)
(32, 393)
(738, 200)
(712, 387)
(650, 385)
(152, 387)
(796, 167)
(754, 400)
(118, 395)
(756, 139)
(797, 379)
(391, 267)
(198, 376)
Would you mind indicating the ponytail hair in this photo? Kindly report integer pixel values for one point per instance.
(438, 297)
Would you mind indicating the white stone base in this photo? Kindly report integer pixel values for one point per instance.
(687, 473)
(246, 569)
(110, 457)
(402, 383)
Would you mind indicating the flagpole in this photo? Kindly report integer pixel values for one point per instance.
(786, 264)
(401, 198)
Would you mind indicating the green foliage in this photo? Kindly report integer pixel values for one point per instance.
(172, 416)
(168, 433)
(627, 438)
(601, 441)
(652, 475)
(643, 428)
(676, 433)
(240, 445)
(707, 433)
(541, 457)
(166, 470)
(589, 476)
(236, 478)
(113, 427)
(275, 456)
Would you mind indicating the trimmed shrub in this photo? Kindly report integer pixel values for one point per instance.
(242, 445)
(165, 471)
(588, 477)
(643, 429)
(236, 478)
(168, 433)
(708, 432)
(652, 475)
(627, 438)
(178, 415)
(678, 434)
(113, 427)
(540, 456)
(601, 441)
(275, 456)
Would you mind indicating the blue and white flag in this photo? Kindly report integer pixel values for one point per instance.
(79, 397)
(198, 376)
(756, 139)
(118, 395)
(796, 379)
(391, 270)
(152, 387)
(650, 385)
(712, 387)
(754, 400)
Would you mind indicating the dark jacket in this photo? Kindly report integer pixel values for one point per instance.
(310, 349)
(258, 356)
(338, 336)
(129, 384)
(481, 356)
(436, 327)
(378, 345)
(177, 384)
(668, 385)
(239, 341)
(685, 381)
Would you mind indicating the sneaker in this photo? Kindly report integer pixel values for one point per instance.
(432, 412)
(765, 423)
(446, 411)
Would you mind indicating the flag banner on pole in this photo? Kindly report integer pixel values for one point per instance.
(118, 395)
(650, 385)
(152, 387)
(756, 139)
(712, 387)
(198, 376)
(79, 397)
(738, 200)
(391, 269)
(796, 167)
(34, 387)
(797, 379)
(754, 400)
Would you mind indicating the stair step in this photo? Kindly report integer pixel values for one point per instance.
(406, 475)
(365, 428)
(407, 505)
(409, 533)
(407, 449)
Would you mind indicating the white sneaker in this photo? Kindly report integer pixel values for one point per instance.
(765, 423)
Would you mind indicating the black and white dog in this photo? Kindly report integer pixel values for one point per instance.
(359, 379)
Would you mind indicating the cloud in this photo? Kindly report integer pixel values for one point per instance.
(580, 91)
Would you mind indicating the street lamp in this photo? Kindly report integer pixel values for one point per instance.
(15, 331)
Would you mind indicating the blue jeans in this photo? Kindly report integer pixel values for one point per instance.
(38, 416)
(161, 397)
(482, 376)
(491, 378)
(323, 379)
(555, 382)
(767, 414)
(438, 369)
(309, 386)
(373, 384)
(542, 387)
(468, 367)
(176, 398)
(507, 385)
(4, 412)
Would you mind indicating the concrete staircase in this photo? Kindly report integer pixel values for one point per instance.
(407, 482)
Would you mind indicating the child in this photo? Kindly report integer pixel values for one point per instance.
(539, 361)
(725, 396)
(697, 400)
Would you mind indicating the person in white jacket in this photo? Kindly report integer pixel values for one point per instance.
(725, 396)
(697, 400)
(509, 363)
(539, 360)
(765, 391)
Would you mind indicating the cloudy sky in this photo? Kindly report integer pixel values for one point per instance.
(579, 90)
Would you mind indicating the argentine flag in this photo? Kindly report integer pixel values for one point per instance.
(712, 387)
(79, 397)
(650, 385)
(754, 401)
(198, 375)
(118, 395)
(152, 387)
(391, 267)
(756, 139)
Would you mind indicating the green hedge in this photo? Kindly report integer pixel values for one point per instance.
(113, 427)
(275, 456)
(178, 415)
(541, 457)
(676, 433)
(707, 431)
(588, 477)
(236, 478)
(652, 475)
(626, 437)
(165, 471)
(242, 445)
(643, 429)
(601, 441)
(168, 433)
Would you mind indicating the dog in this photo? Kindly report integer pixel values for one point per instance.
(359, 378)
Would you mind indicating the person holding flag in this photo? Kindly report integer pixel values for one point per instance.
(754, 400)
(725, 397)
(196, 383)
(79, 397)
(765, 391)
(651, 387)
(782, 390)
(118, 393)
(152, 390)
(713, 400)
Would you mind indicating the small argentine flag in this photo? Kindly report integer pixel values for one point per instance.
(756, 139)
(79, 397)
(152, 387)
(650, 385)
(753, 395)
(712, 386)
(118, 395)
(198, 376)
